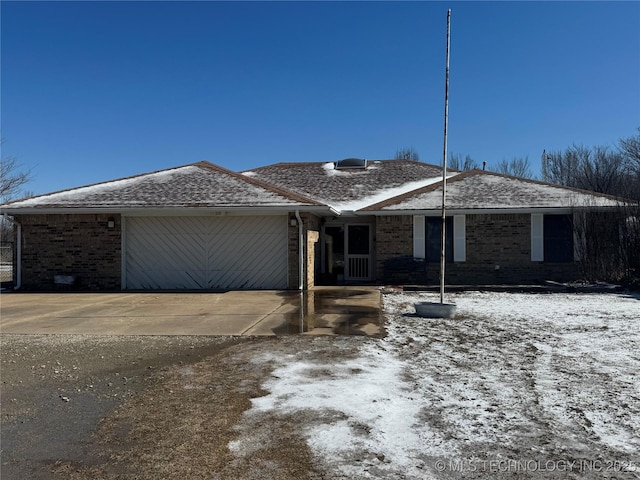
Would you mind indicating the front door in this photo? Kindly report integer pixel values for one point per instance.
(358, 253)
(346, 251)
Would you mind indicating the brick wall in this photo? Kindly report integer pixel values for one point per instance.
(81, 245)
(498, 251)
(394, 251)
(311, 229)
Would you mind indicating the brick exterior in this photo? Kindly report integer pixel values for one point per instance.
(311, 229)
(81, 245)
(394, 250)
(498, 251)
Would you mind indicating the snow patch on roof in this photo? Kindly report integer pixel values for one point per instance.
(78, 194)
(382, 195)
(191, 186)
(320, 181)
(491, 191)
(330, 169)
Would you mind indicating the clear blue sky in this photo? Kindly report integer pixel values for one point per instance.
(93, 91)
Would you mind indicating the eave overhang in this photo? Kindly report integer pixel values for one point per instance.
(487, 211)
(171, 211)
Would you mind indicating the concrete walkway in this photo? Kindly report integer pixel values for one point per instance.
(324, 310)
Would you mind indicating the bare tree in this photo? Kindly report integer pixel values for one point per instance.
(604, 171)
(630, 149)
(407, 154)
(630, 231)
(560, 168)
(610, 241)
(12, 178)
(598, 169)
(457, 163)
(599, 245)
(517, 167)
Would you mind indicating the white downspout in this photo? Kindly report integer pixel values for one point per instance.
(300, 252)
(18, 254)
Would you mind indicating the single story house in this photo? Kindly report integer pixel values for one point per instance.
(294, 225)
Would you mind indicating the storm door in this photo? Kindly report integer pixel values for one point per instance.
(358, 253)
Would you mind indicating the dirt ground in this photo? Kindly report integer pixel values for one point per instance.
(78, 407)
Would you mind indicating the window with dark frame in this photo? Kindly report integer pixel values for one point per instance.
(433, 239)
(558, 238)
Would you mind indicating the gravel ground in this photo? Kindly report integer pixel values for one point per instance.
(127, 407)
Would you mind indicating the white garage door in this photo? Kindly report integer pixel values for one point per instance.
(244, 252)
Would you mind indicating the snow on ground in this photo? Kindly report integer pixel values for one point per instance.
(528, 378)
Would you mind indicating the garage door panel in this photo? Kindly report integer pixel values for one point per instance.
(144, 252)
(146, 237)
(167, 279)
(206, 252)
(262, 261)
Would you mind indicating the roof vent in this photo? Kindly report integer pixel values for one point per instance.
(351, 163)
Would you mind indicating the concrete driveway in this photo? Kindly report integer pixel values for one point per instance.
(330, 310)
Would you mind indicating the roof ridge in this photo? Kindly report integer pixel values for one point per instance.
(291, 195)
(418, 191)
(397, 160)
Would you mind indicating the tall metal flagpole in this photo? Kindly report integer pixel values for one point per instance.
(444, 163)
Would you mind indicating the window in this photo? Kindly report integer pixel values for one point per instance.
(558, 238)
(551, 238)
(427, 238)
(434, 239)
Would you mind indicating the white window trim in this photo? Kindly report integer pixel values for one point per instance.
(459, 239)
(419, 236)
(537, 237)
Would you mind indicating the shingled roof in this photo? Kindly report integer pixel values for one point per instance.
(383, 186)
(351, 189)
(478, 189)
(201, 184)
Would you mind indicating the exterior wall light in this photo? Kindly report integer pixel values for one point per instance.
(111, 222)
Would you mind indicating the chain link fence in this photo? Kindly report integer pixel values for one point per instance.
(6, 263)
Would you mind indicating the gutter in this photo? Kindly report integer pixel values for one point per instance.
(300, 252)
(172, 211)
(433, 212)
